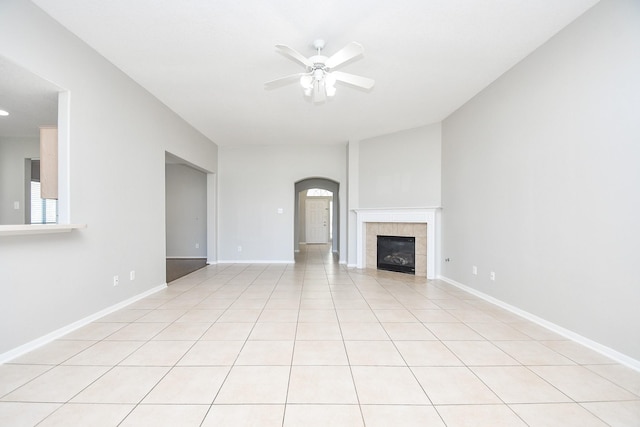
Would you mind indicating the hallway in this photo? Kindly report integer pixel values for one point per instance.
(314, 344)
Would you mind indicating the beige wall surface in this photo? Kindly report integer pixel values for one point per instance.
(118, 137)
(401, 169)
(256, 181)
(186, 211)
(540, 181)
(13, 152)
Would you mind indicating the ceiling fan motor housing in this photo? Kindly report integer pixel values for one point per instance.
(318, 44)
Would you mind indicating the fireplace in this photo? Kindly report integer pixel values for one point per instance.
(398, 222)
(397, 253)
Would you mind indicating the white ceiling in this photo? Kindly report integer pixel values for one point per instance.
(208, 60)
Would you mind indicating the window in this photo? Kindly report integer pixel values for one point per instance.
(43, 211)
(317, 192)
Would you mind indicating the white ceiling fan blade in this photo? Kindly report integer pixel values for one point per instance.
(352, 79)
(295, 55)
(348, 52)
(282, 81)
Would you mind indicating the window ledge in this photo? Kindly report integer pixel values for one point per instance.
(14, 230)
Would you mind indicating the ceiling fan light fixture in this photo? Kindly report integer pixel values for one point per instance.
(306, 82)
(331, 91)
(330, 85)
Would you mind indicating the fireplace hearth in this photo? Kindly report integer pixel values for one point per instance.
(397, 253)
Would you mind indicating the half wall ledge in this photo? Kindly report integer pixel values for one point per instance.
(25, 229)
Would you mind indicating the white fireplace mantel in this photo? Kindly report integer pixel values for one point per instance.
(411, 215)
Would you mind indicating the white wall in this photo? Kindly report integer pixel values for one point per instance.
(541, 181)
(186, 220)
(401, 169)
(254, 181)
(119, 135)
(398, 170)
(13, 152)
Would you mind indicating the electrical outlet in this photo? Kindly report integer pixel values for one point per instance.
(492, 275)
(16, 205)
(115, 280)
(239, 248)
(197, 245)
(132, 275)
(475, 270)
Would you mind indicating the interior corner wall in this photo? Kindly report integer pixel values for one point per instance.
(186, 212)
(119, 135)
(401, 170)
(540, 181)
(257, 180)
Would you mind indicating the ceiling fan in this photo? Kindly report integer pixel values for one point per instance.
(319, 79)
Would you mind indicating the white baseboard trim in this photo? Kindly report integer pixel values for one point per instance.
(186, 257)
(593, 345)
(52, 336)
(244, 261)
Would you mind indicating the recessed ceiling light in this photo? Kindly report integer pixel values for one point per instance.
(4, 113)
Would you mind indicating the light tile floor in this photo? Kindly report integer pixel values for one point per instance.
(315, 344)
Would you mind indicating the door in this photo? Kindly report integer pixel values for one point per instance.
(317, 220)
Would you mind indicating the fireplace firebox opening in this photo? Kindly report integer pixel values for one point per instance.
(396, 253)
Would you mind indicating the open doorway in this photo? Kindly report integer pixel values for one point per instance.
(316, 215)
(186, 218)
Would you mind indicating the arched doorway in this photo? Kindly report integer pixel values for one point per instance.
(324, 184)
